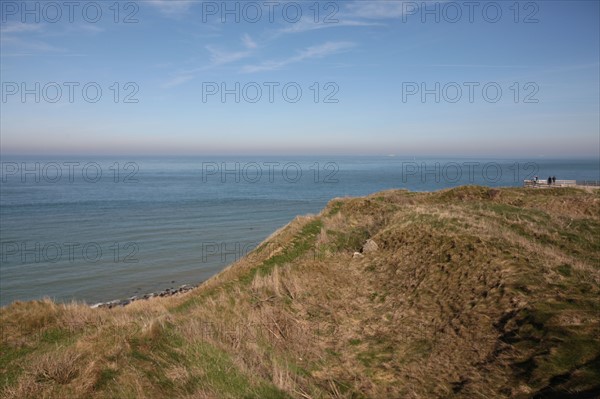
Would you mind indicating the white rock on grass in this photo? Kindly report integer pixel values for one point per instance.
(370, 246)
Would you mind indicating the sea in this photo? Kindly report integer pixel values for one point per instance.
(93, 229)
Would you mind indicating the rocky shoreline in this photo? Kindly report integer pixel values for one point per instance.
(127, 301)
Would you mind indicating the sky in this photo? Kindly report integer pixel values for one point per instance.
(435, 78)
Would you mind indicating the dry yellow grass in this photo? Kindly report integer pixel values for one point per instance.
(472, 293)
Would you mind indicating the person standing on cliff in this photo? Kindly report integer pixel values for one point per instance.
(553, 179)
(549, 180)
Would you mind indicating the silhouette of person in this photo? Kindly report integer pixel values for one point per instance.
(553, 179)
(549, 180)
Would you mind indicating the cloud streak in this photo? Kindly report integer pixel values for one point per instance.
(320, 51)
(171, 8)
(217, 57)
(308, 24)
(357, 14)
(19, 27)
(248, 42)
(177, 80)
(381, 9)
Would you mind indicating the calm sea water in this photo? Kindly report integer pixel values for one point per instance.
(96, 229)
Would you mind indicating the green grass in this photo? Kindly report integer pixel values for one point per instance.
(9, 367)
(300, 245)
(46, 340)
(55, 335)
(221, 375)
(351, 240)
(334, 208)
(107, 376)
(565, 269)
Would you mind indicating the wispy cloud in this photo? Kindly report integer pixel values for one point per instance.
(19, 27)
(171, 8)
(217, 57)
(320, 51)
(475, 66)
(177, 80)
(28, 46)
(220, 57)
(248, 42)
(375, 9)
(308, 24)
(32, 39)
(357, 13)
(380, 9)
(87, 28)
(47, 29)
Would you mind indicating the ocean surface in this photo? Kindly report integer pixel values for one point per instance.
(97, 229)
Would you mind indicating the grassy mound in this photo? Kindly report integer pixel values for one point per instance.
(470, 293)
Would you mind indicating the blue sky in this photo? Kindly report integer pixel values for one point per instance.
(367, 56)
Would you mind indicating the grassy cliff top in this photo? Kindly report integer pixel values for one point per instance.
(465, 293)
